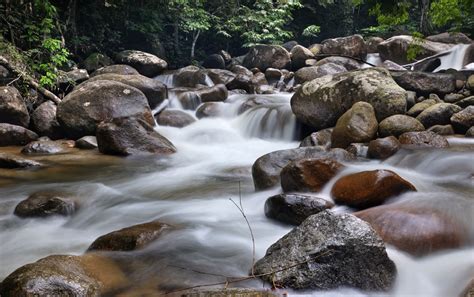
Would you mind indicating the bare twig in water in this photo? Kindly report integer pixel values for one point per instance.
(13, 81)
(345, 56)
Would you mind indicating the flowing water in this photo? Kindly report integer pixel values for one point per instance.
(191, 190)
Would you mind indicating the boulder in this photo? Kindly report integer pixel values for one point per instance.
(189, 100)
(392, 66)
(155, 91)
(48, 147)
(470, 132)
(466, 102)
(83, 109)
(10, 161)
(424, 83)
(131, 136)
(45, 204)
(438, 114)
(95, 61)
(214, 61)
(63, 275)
(416, 230)
(358, 124)
(44, 121)
(267, 56)
(352, 46)
(470, 82)
(320, 138)
(369, 188)
(348, 63)
(320, 102)
(266, 169)
(315, 48)
(15, 135)
(442, 129)
(220, 76)
(130, 238)
(189, 76)
(273, 75)
(308, 175)
(119, 69)
(145, 63)
(67, 80)
(12, 107)
(383, 148)
(420, 106)
(225, 55)
(334, 251)
(242, 82)
(213, 94)
(398, 124)
(463, 120)
(396, 48)
(358, 149)
(294, 208)
(174, 118)
(86, 143)
(239, 69)
(299, 54)
(450, 37)
(289, 45)
(209, 109)
(309, 73)
(372, 44)
(423, 139)
(453, 98)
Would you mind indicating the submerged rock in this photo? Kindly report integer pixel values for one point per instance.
(383, 148)
(294, 208)
(44, 204)
(15, 135)
(423, 139)
(320, 138)
(47, 147)
(369, 188)
(9, 161)
(334, 251)
(130, 238)
(174, 118)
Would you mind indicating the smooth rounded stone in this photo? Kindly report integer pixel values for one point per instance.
(299, 54)
(450, 37)
(10, 161)
(272, 74)
(398, 124)
(315, 48)
(239, 69)
(442, 129)
(119, 69)
(145, 63)
(174, 118)
(348, 63)
(213, 94)
(358, 149)
(289, 45)
(12, 107)
(357, 125)
(438, 114)
(130, 238)
(242, 82)
(308, 175)
(423, 139)
(44, 121)
(131, 136)
(396, 48)
(86, 143)
(214, 61)
(259, 79)
(453, 98)
(383, 148)
(209, 109)
(413, 229)
(189, 100)
(352, 46)
(372, 43)
(219, 76)
(411, 99)
(310, 62)
(155, 91)
(470, 83)
(463, 120)
(225, 55)
(320, 138)
(45, 204)
(15, 135)
(425, 83)
(420, 107)
(267, 56)
(309, 73)
(335, 251)
(189, 76)
(470, 132)
(369, 188)
(229, 292)
(64, 275)
(320, 102)
(86, 106)
(294, 208)
(67, 80)
(95, 61)
(392, 66)
(465, 102)
(48, 147)
(266, 169)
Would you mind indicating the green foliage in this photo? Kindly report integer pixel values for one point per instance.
(311, 31)
(414, 49)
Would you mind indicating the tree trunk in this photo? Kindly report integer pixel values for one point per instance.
(195, 39)
(424, 20)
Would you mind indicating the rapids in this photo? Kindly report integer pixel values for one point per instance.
(191, 190)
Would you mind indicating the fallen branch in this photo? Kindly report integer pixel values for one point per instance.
(29, 80)
(344, 56)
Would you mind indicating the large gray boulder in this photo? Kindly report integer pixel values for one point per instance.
(145, 63)
(320, 102)
(12, 107)
(398, 124)
(450, 37)
(15, 135)
(425, 83)
(352, 46)
(309, 73)
(83, 109)
(116, 69)
(299, 55)
(174, 118)
(463, 120)
(438, 114)
(334, 251)
(44, 121)
(267, 56)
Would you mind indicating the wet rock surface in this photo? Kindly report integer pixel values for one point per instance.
(145, 63)
(10, 161)
(46, 203)
(15, 135)
(423, 140)
(12, 107)
(383, 148)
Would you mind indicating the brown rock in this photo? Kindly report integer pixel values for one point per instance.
(48, 147)
(353, 46)
(44, 204)
(463, 120)
(15, 135)
(438, 114)
(442, 129)
(44, 121)
(299, 55)
(369, 188)
(12, 107)
(174, 118)
(423, 139)
(382, 148)
(9, 161)
(398, 124)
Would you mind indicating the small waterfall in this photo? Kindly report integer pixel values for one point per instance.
(373, 59)
(208, 81)
(455, 59)
(167, 79)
